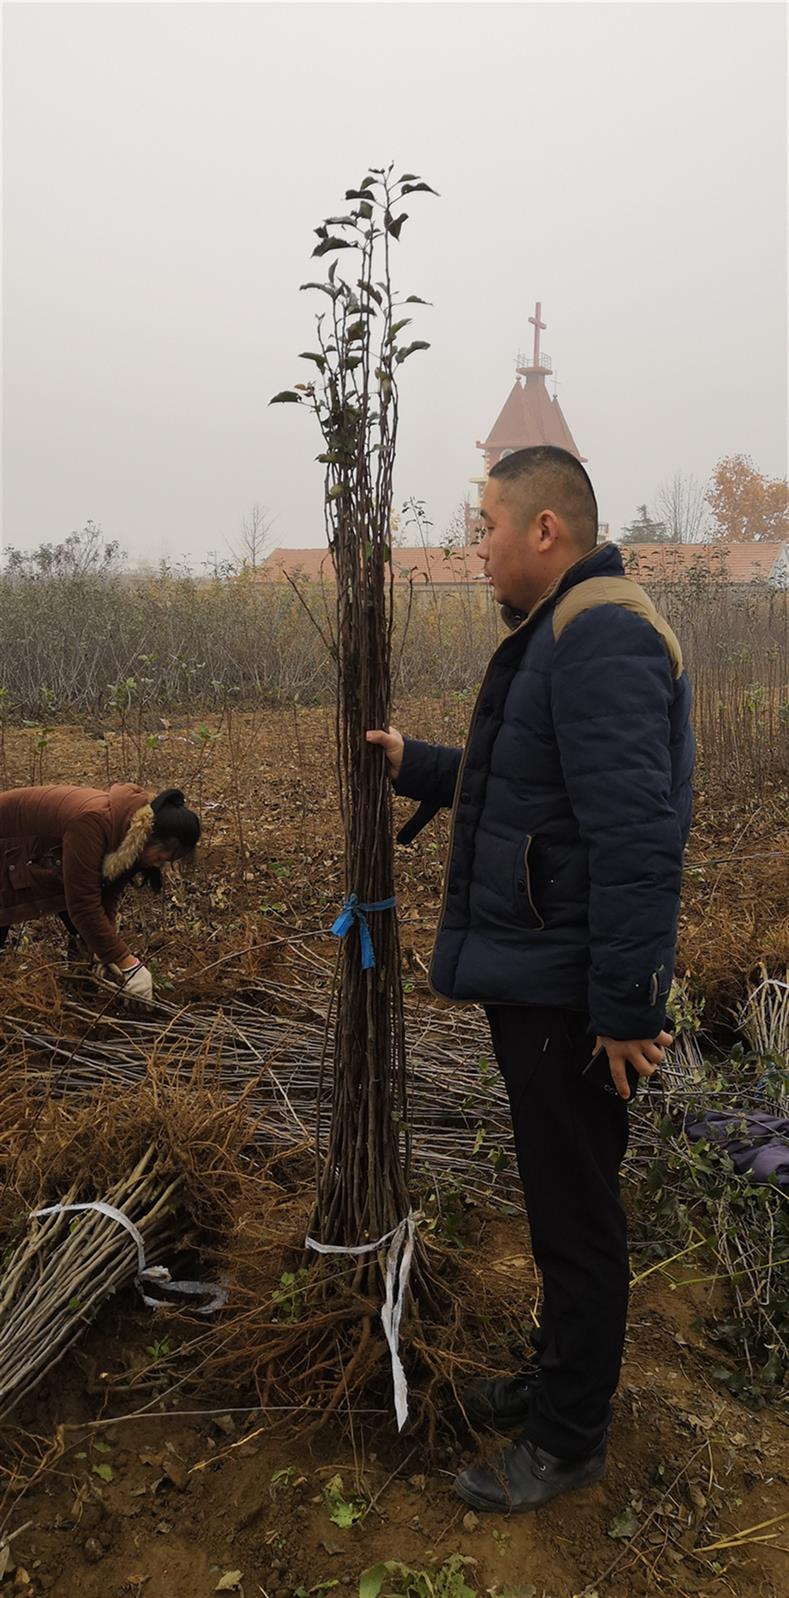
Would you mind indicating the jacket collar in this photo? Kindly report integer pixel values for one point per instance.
(132, 825)
(605, 560)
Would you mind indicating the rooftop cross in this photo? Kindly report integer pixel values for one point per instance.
(538, 327)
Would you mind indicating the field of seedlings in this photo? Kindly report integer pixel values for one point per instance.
(199, 1441)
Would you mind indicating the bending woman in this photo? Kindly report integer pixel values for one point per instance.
(71, 851)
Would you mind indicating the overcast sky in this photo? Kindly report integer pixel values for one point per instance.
(164, 166)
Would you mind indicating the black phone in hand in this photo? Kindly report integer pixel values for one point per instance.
(598, 1074)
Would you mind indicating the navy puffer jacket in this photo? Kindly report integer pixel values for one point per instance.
(571, 806)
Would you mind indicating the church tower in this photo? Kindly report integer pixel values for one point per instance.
(530, 415)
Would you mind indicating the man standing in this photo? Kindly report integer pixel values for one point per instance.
(571, 807)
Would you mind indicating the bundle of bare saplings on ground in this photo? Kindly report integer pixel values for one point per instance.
(78, 1236)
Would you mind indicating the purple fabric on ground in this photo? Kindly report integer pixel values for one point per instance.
(757, 1144)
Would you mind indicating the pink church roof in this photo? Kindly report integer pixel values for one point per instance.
(529, 416)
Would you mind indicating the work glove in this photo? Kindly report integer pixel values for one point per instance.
(137, 983)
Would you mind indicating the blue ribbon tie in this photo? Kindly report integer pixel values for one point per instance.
(352, 911)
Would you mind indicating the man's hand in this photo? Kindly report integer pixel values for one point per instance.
(393, 744)
(644, 1054)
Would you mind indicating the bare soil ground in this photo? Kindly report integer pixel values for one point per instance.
(166, 1492)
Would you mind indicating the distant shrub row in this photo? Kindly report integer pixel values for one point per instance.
(81, 646)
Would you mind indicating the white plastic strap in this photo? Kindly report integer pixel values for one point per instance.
(398, 1270)
(103, 1209)
(159, 1273)
(399, 1256)
(217, 1296)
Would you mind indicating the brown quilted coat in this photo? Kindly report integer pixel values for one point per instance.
(65, 848)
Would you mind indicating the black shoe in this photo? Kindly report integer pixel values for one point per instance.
(523, 1477)
(502, 1402)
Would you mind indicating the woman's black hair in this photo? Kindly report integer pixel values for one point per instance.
(174, 824)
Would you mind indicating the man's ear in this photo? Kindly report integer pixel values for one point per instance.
(548, 523)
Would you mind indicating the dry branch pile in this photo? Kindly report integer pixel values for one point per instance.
(269, 1055)
(273, 1061)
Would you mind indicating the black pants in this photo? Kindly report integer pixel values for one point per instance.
(63, 916)
(570, 1139)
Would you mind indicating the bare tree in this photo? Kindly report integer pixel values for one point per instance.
(681, 506)
(254, 538)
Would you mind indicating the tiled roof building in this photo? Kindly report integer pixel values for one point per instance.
(425, 567)
(733, 563)
(459, 567)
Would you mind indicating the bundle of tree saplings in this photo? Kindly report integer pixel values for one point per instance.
(764, 1020)
(71, 1260)
(183, 1149)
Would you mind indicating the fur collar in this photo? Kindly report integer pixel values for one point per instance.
(130, 847)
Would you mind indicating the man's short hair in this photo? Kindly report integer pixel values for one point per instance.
(545, 477)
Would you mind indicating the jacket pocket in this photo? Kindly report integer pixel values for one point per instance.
(16, 871)
(524, 897)
(21, 875)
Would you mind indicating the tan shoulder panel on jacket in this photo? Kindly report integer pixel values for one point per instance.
(615, 591)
